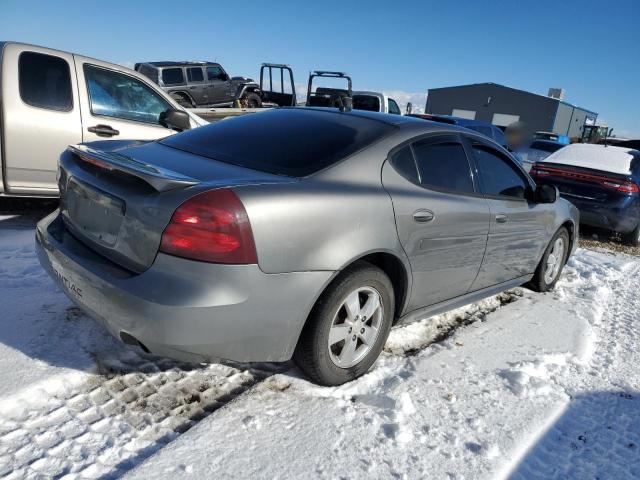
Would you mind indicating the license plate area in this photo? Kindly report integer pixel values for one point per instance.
(94, 213)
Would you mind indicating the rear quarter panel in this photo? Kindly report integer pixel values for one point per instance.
(326, 221)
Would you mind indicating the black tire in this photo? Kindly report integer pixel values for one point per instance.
(252, 100)
(632, 238)
(538, 283)
(182, 100)
(312, 354)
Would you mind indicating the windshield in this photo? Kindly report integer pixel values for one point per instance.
(295, 142)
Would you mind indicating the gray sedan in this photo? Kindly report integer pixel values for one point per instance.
(304, 233)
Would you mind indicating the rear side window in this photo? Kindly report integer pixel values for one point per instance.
(498, 174)
(45, 81)
(405, 164)
(149, 72)
(172, 76)
(194, 74)
(288, 141)
(443, 166)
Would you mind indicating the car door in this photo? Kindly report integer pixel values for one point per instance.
(118, 105)
(517, 229)
(41, 116)
(219, 85)
(441, 218)
(196, 85)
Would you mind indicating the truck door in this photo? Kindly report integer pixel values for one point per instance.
(118, 105)
(41, 114)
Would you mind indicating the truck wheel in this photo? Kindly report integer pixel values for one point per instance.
(252, 100)
(550, 267)
(347, 327)
(182, 100)
(632, 238)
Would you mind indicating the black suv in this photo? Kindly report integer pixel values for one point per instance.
(202, 84)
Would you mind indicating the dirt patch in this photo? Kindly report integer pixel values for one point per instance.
(593, 239)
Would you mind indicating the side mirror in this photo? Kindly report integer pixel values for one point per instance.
(546, 194)
(175, 119)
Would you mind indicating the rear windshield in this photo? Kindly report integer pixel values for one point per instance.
(293, 142)
(366, 102)
(547, 146)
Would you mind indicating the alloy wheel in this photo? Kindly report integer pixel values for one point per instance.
(554, 261)
(355, 327)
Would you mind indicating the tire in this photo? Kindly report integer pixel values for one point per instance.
(321, 362)
(252, 100)
(541, 281)
(632, 238)
(182, 100)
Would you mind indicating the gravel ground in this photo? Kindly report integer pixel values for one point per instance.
(594, 239)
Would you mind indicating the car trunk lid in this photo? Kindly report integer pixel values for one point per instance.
(584, 183)
(118, 201)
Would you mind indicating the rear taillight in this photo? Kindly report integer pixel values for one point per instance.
(622, 186)
(212, 227)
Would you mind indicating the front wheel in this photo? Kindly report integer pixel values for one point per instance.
(348, 326)
(555, 256)
(252, 100)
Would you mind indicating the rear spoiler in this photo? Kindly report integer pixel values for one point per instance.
(159, 178)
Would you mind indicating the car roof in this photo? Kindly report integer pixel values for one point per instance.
(178, 64)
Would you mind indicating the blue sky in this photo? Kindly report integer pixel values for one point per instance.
(590, 48)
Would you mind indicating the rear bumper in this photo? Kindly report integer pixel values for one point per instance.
(622, 217)
(184, 309)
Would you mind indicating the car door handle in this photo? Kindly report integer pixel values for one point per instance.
(423, 216)
(502, 218)
(104, 131)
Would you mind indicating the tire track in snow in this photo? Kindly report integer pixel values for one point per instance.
(106, 426)
(598, 435)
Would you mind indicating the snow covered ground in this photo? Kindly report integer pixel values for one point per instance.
(521, 385)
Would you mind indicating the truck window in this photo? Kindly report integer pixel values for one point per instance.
(113, 94)
(194, 74)
(393, 107)
(370, 103)
(172, 76)
(45, 81)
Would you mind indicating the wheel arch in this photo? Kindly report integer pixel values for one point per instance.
(183, 93)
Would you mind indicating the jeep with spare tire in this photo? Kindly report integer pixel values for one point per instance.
(202, 84)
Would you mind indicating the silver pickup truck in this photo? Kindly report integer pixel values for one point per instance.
(51, 99)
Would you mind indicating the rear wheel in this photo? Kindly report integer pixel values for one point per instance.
(555, 256)
(347, 327)
(632, 238)
(252, 100)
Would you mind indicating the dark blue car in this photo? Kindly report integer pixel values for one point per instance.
(485, 128)
(602, 181)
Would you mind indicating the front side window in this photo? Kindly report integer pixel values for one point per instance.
(499, 177)
(393, 107)
(45, 81)
(443, 166)
(194, 74)
(172, 76)
(214, 73)
(113, 94)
